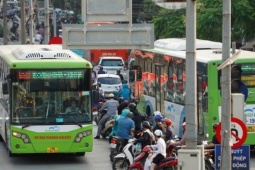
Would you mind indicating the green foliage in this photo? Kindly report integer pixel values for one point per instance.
(172, 23)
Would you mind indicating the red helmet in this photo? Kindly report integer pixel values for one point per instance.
(184, 125)
(167, 121)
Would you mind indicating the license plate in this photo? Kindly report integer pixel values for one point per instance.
(111, 71)
(52, 150)
(251, 128)
(113, 145)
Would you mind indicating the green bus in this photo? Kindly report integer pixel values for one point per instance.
(158, 79)
(38, 85)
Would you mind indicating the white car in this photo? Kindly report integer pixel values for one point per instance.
(110, 64)
(110, 83)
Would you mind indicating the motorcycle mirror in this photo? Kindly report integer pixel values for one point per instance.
(207, 136)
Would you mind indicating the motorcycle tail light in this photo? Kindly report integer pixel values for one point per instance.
(94, 108)
(114, 141)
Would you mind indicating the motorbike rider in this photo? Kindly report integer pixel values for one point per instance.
(167, 129)
(122, 105)
(183, 139)
(214, 140)
(158, 117)
(125, 92)
(138, 118)
(147, 138)
(111, 106)
(126, 127)
(159, 148)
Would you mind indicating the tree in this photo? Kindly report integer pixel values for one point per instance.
(172, 23)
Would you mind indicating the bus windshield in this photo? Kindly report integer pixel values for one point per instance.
(50, 97)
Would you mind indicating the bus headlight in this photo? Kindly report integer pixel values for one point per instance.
(81, 135)
(22, 136)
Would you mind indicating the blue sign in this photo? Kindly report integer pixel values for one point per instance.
(78, 52)
(240, 157)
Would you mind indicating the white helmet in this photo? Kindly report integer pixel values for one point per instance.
(111, 95)
(157, 113)
(158, 132)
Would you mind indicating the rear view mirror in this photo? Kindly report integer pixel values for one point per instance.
(95, 96)
(5, 87)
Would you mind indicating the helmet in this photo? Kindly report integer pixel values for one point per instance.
(111, 95)
(132, 106)
(215, 126)
(134, 100)
(157, 113)
(121, 99)
(158, 132)
(158, 117)
(184, 125)
(130, 114)
(167, 121)
(146, 124)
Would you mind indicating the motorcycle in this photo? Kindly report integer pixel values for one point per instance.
(145, 158)
(107, 129)
(208, 156)
(96, 115)
(116, 146)
(126, 158)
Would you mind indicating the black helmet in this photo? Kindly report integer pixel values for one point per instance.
(132, 106)
(121, 99)
(134, 100)
(215, 126)
(130, 114)
(146, 124)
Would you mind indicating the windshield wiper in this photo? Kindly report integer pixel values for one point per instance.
(75, 122)
(24, 126)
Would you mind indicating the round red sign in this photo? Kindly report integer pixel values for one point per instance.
(238, 132)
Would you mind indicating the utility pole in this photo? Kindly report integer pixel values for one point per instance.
(225, 87)
(31, 19)
(22, 23)
(47, 22)
(191, 69)
(5, 26)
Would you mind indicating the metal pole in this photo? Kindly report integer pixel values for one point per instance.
(225, 87)
(5, 26)
(54, 23)
(22, 23)
(191, 69)
(47, 22)
(31, 19)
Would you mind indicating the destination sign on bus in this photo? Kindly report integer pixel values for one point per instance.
(248, 74)
(67, 74)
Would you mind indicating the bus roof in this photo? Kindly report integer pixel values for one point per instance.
(179, 44)
(41, 56)
(204, 56)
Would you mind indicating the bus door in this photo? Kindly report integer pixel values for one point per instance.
(159, 96)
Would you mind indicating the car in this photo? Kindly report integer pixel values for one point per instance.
(110, 83)
(110, 64)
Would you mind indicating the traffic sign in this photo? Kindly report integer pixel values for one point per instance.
(55, 40)
(238, 132)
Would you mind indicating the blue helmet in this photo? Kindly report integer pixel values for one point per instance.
(158, 117)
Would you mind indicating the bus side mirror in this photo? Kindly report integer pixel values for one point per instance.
(5, 88)
(131, 76)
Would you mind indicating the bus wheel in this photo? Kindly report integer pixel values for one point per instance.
(80, 153)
